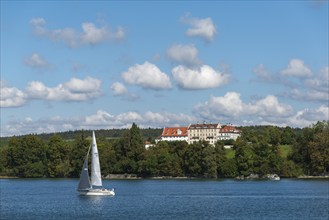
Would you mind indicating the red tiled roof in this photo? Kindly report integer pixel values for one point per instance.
(173, 131)
(229, 129)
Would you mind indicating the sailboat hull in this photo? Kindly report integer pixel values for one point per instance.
(97, 192)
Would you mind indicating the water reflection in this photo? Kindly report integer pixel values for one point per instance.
(95, 201)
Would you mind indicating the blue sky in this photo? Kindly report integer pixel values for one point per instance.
(98, 64)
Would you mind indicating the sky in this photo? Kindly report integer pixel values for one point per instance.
(68, 65)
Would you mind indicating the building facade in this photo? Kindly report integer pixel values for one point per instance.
(206, 132)
(228, 132)
(200, 132)
(173, 134)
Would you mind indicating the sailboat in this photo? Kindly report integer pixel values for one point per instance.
(92, 186)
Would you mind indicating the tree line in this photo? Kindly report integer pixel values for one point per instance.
(257, 151)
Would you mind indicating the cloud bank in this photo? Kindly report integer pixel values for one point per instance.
(74, 90)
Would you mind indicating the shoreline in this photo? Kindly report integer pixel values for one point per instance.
(312, 177)
(135, 177)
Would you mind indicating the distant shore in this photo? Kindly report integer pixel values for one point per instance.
(313, 177)
(135, 177)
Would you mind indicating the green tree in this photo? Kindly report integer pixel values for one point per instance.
(200, 160)
(130, 151)
(262, 155)
(300, 150)
(288, 136)
(221, 158)
(78, 153)
(107, 156)
(57, 155)
(243, 157)
(274, 136)
(319, 152)
(27, 156)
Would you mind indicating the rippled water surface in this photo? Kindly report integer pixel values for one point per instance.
(167, 199)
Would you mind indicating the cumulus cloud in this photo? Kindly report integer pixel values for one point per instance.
(308, 95)
(296, 68)
(203, 77)
(313, 89)
(36, 61)
(306, 117)
(90, 34)
(269, 107)
(308, 87)
(73, 90)
(119, 89)
(183, 54)
(87, 85)
(148, 76)
(230, 106)
(100, 118)
(263, 74)
(203, 28)
(320, 82)
(11, 96)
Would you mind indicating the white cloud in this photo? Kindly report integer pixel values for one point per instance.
(319, 82)
(203, 28)
(309, 95)
(119, 89)
(11, 96)
(306, 117)
(36, 61)
(86, 85)
(314, 89)
(99, 120)
(37, 21)
(148, 76)
(184, 54)
(219, 112)
(269, 107)
(296, 68)
(263, 74)
(73, 90)
(90, 33)
(203, 77)
(231, 107)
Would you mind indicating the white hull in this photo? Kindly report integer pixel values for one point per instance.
(273, 177)
(97, 192)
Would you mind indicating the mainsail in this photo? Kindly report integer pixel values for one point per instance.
(96, 178)
(84, 177)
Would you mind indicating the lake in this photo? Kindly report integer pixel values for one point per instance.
(167, 199)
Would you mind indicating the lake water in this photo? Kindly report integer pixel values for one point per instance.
(167, 199)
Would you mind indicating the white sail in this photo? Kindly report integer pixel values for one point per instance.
(96, 177)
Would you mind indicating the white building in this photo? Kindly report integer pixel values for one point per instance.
(207, 132)
(173, 134)
(197, 132)
(148, 144)
(228, 132)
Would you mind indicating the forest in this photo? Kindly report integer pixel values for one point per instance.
(286, 151)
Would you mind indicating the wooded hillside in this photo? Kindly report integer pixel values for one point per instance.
(260, 150)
